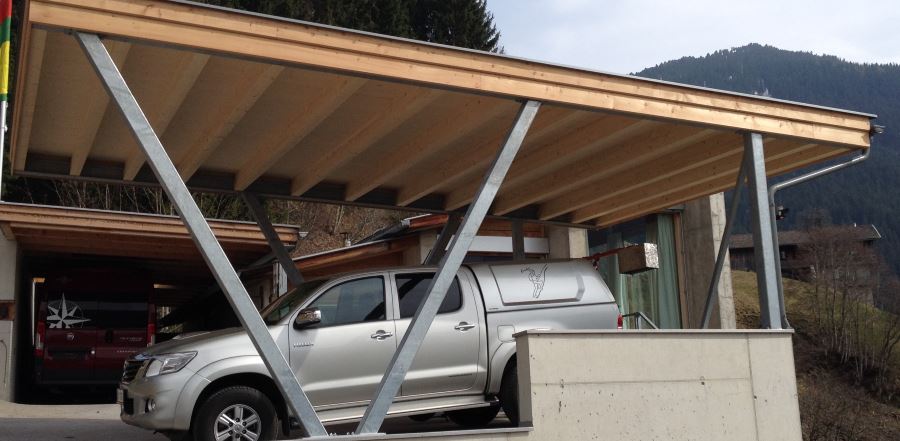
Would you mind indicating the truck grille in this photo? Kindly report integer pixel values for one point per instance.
(132, 366)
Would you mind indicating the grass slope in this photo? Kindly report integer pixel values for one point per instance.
(832, 407)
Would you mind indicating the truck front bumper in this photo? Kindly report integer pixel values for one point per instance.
(163, 402)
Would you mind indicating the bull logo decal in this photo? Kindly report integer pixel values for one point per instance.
(537, 278)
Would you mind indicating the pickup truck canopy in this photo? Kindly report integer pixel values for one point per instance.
(291, 109)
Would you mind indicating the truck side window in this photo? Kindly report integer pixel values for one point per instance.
(354, 301)
(412, 288)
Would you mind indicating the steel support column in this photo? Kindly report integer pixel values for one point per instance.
(440, 245)
(265, 225)
(200, 231)
(723, 245)
(447, 269)
(764, 251)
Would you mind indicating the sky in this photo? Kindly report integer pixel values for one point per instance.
(622, 36)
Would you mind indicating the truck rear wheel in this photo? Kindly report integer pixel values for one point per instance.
(509, 393)
(236, 413)
(476, 417)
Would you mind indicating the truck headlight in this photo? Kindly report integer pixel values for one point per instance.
(168, 363)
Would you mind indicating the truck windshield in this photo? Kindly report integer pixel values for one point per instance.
(284, 305)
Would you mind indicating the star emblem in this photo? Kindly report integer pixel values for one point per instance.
(65, 314)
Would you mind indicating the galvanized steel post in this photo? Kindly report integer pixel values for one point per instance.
(265, 225)
(440, 245)
(723, 245)
(200, 231)
(763, 243)
(449, 265)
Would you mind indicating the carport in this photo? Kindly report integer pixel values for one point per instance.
(223, 101)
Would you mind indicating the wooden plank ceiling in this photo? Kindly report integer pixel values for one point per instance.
(293, 110)
(43, 229)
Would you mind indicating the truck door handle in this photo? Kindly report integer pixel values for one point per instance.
(463, 326)
(381, 335)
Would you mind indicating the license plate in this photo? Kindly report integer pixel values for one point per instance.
(120, 396)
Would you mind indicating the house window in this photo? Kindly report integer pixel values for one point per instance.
(653, 292)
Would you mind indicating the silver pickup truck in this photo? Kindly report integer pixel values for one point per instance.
(339, 335)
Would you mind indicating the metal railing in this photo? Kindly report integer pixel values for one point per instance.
(640, 317)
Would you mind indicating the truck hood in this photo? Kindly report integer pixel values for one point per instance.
(224, 343)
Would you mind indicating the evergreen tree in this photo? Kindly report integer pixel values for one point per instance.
(463, 23)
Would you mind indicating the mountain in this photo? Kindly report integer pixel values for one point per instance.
(865, 193)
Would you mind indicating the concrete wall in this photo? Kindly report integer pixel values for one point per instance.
(9, 258)
(703, 222)
(709, 385)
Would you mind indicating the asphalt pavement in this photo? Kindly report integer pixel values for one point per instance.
(23, 422)
(60, 429)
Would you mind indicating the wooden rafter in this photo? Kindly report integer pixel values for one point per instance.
(269, 150)
(708, 183)
(557, 152)
(95, 102)
(382, 123)
(192, 147)
(613, 157)
(187, 66)
(647, 174)
(28, 84)
(444, 130)
(473, 158)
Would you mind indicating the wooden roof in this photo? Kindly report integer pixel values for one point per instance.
(47, 229)
(295, 110)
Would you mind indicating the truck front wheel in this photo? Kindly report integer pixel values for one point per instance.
(236, 413)
(509, 393)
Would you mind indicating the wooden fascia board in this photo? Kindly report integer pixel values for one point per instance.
(39, 217)
(282, 41)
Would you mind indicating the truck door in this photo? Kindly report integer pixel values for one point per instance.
(342, 359)
(447, 361)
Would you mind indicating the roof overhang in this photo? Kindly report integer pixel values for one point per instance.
(45, 229)
(244, 102)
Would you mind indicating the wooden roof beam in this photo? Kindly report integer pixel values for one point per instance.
(385, 121)
(798, 159)
(447, 128)
(339, 50)
(226, 110)
(189, 65)
(333, 93)
(27, 83)
(473, 158)
(94, 105)
(700, 154)
(620, 154)
(557, 152)
(725, 164)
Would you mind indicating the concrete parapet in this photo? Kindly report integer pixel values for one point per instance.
(698, 385)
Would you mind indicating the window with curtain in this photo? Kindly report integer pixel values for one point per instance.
(653, 292)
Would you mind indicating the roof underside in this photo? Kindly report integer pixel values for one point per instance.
(43, 229)
(293, 110)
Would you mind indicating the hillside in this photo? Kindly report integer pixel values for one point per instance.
(860, 194)
(832, 405)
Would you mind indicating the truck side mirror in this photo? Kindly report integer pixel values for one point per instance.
(307, 317)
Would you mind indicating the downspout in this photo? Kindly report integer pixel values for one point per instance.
(875, 130)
